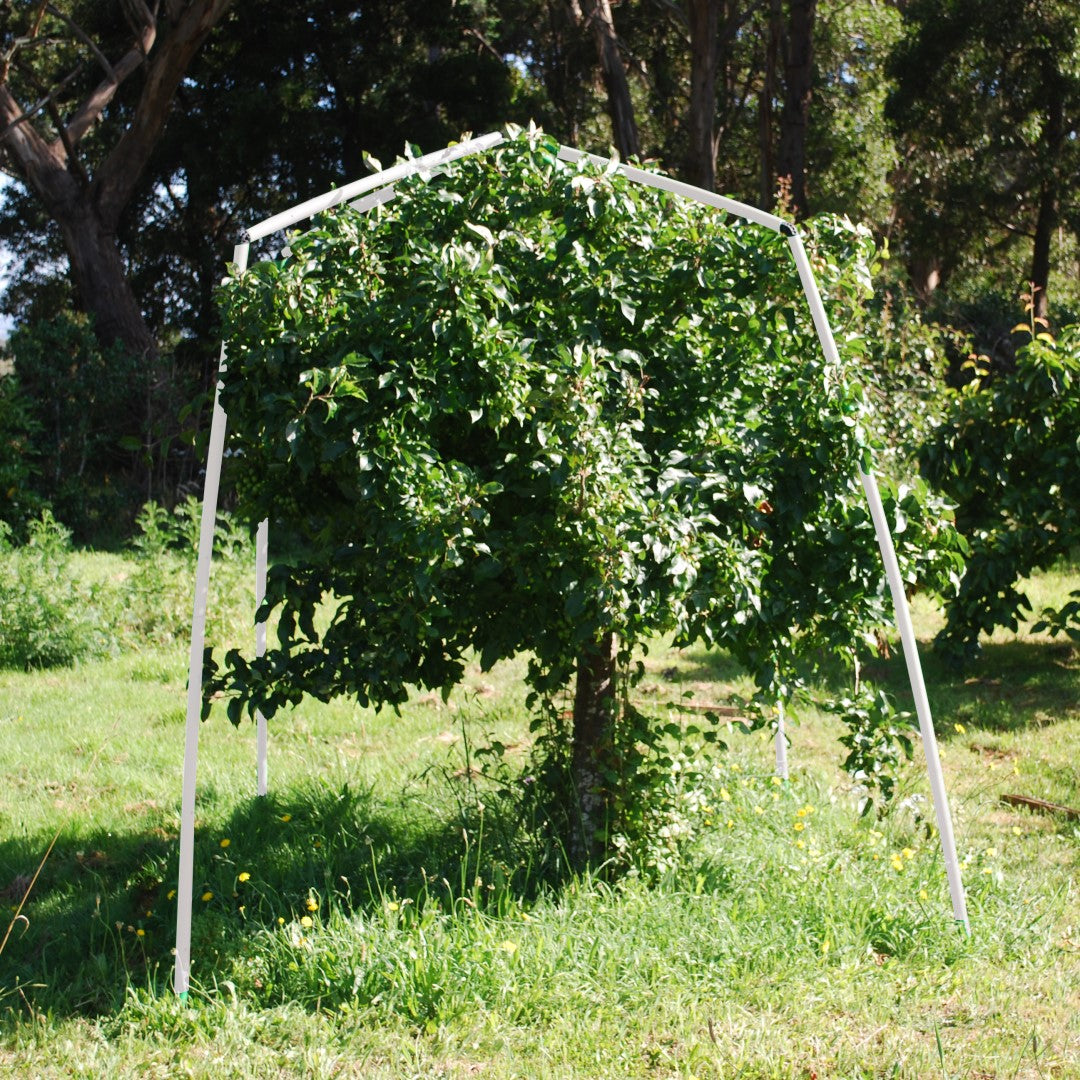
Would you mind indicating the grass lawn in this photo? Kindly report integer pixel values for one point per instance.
(380, 915)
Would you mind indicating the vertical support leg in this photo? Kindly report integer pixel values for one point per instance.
(261, 560)
(781, 743)
(922, 704)
(185, 883)
(900, 605)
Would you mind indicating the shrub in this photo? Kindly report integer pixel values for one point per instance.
(1008, 454)
(19, 470)
(159, 593)
(47, 617)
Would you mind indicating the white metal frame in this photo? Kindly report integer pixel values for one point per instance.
(372, 191)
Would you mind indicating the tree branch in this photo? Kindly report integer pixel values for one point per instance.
(40, 162)
(43, 102)
(119, 172)
(84, 37)
(92, 108)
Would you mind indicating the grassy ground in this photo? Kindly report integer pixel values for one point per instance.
(379, 915)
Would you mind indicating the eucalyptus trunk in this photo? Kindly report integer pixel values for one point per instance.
(704, 22)
(596, 14)
(795, 116)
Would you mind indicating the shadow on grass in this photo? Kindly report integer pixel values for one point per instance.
(102, 915)
(1013, 685)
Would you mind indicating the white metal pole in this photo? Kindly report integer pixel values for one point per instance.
(900, 607)
(262, 548)
(781, 743)
(335, 197)
(922, 703)
(185, 882)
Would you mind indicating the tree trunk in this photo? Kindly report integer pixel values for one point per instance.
(88, 207)
(597, 13)
(701, 164)
(594, 713)
(766, 166)
(98, 273)
(798, 83)
(1046, 221)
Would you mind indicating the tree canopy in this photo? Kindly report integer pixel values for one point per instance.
(533, 407)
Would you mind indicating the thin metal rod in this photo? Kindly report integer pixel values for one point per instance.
(900, 610)
(262, 550)
(781, 743)
(185, 882)
(337, 196)
(676, 187)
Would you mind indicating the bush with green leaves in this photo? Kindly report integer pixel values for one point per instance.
(48, 618)
(79, 397)
(18, 466)
(158, 595)
(1007, 453)
(531, 407)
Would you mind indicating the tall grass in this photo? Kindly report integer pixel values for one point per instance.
(382, 912)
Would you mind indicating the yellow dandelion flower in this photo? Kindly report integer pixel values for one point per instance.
(777, 781)
(908, 853)
(171, 894)
(725, 795)
(801, 812)
(775, 796)
(960, 729)
(509, 947)
(1017, 831)
(312, 904)
(207, 896)
(285, 817)
(243, 876)
(991, 852)
(224, 842)
(896, 862)
(923, 894)
(730, 823)
(140, 932)
(280, 920)
(306, 922)
(392, 905)
(800, 843)
(987, 870)
(799, 826)
(825, 946)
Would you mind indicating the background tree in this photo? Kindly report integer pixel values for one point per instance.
(987, 107)
(61, 70)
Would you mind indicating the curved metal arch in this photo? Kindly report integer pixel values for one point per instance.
(377, 189)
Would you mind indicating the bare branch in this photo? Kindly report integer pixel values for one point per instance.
(94, 105)
(470, 32)
(119, 172)
(74, 164)
(84, 37)
(45, 101)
